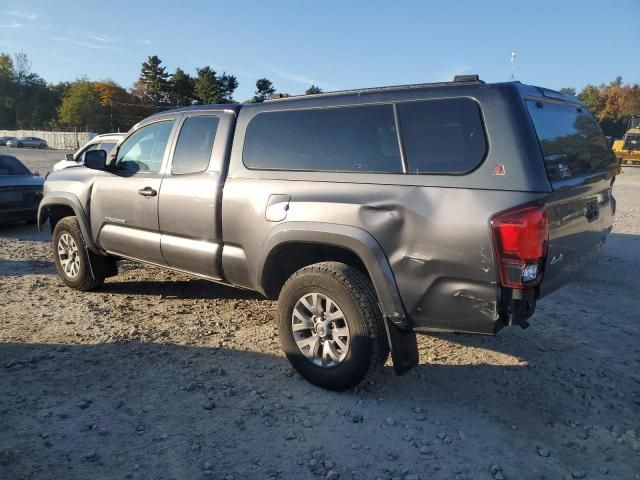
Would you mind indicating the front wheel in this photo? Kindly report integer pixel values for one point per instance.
(72, 257)
(20, 145)
(330, 325)
(42, 146)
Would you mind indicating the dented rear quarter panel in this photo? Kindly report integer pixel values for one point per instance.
(437, 240)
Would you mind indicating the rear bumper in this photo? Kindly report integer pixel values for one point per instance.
(16, 213)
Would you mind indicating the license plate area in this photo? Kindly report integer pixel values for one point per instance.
(592, 211)
(10, 196)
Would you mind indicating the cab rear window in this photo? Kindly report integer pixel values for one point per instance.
(571, 141)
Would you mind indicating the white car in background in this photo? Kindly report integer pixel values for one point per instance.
(100, 142)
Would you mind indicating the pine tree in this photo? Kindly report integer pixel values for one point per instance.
(207, 86)
(181, 86)
(228, 85)
(264, 89)
(313, 90)
(154, 78)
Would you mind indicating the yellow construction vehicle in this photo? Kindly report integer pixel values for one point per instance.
(627, 150)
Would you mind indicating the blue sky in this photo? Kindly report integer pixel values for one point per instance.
(333, 44)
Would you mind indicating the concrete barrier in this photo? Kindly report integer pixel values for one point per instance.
(59, 140)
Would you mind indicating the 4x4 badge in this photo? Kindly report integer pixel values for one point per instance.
(557, 259)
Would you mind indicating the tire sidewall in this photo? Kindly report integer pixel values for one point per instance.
(356, 363)
(61, 228)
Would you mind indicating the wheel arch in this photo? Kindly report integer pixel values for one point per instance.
(57, 205)
(350, 245)
(285, 247)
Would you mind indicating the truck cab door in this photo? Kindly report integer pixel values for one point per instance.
(124, 201)
(191, 192)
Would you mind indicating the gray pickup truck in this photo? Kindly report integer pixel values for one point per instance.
(369, 214)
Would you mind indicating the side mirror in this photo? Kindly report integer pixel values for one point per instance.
(69, 157)
(96, 159)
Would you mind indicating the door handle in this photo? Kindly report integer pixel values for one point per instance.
(147, 192)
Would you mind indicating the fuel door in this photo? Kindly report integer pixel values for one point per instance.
(277, 207)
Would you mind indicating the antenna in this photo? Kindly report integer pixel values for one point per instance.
(513, 61)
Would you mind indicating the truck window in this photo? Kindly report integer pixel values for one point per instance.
(80, 157)
(144, 150)
(344, 139)
(571, 141)
(194, 146)
(107, 147)
(442, 136)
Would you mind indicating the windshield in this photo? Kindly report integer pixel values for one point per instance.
(12, 166)
(571, 141)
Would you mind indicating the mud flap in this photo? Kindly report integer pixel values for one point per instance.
(102, 267)
(404, 347)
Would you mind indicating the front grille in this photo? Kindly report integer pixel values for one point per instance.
(632, 142)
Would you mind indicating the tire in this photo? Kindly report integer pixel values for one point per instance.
(20, 145)
(78, 275)
(42, 146)
(352, 295)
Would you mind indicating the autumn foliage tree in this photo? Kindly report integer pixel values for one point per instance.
(81, 107)
(612, 104)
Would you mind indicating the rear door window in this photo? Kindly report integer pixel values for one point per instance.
(195, 142)
(442, 136)
(571, 141)
(342, 139)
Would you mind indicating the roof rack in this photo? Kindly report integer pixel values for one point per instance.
(457, 81)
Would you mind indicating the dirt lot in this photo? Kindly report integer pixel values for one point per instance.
(158, 376)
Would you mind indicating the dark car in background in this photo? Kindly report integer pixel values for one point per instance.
(4, 140)
(20, 191)
(33, 142)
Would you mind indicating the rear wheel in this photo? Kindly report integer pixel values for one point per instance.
(42, 146)
(72, 256)
(331, 327)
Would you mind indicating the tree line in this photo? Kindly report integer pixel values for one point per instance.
(28, 102)
(612, 104)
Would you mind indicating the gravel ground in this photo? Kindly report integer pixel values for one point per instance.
(159, 376)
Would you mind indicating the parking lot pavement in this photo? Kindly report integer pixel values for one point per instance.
(40, 160)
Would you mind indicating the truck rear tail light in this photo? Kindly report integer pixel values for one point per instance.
(521, 237)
